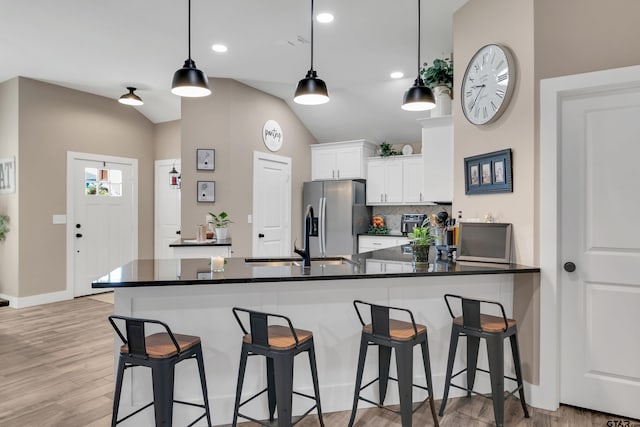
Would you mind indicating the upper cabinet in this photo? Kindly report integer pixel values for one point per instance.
(437, 149)
(384, 183)
(340, 160)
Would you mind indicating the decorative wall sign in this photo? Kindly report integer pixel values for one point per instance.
(272, 135)
(205, 159)
(207, 191)
(488, 173)
(8, 175)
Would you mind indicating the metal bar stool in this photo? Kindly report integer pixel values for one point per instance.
(474, 325)
(160, 352)
(402, 336)
(279, 345)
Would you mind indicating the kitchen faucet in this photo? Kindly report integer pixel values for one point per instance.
(305, 252)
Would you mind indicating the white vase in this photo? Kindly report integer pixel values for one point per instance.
(442, 95)
(222, 233)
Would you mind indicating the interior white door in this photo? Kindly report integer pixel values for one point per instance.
(104, 220)
(600, 213)
(166, 209)
(271, 205)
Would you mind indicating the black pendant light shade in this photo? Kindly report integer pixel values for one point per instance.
(130, 98)
(188, 81)
(311, 90)
(418, 97)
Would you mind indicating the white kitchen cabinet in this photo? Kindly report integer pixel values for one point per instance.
(437, 151)
(374, 242)
(380, 266)
(340, 160)
(413, 180)
(384, 182)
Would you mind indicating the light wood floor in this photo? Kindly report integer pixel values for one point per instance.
(56, 369)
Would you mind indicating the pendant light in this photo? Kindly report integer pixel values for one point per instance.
(174, 178)
(311, 90)
(130, 98)
(418, 97)
(188, 81)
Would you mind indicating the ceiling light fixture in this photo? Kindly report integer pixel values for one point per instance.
(189, 81)
(418, 97)
(397, 75)
(220, 48)
(311, 90)
(324, 17)
(130, 98)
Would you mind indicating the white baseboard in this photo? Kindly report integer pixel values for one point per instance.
(30, 301)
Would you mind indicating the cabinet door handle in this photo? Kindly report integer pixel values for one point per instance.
(421, 196)
(338, 173)
(381, 197)
(333, 174)
(385, 197)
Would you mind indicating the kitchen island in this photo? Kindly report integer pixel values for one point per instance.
(194, 300)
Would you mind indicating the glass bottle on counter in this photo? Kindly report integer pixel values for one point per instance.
(456, 229)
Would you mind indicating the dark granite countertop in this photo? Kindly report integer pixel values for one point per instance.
(238, 270)
(181, 243)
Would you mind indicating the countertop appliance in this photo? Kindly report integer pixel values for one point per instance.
(408, 221)
(341, 214)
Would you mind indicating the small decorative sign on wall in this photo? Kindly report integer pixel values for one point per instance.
(8, 175)
(272, 135)
(207, 191)
(488, 173)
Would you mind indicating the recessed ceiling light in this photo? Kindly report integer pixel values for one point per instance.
(324, 17)
(220, 48)
(397, 75)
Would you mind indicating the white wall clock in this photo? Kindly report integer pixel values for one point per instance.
(488, 84)
(272, 135)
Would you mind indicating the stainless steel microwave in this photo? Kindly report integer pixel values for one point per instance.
(485, 242)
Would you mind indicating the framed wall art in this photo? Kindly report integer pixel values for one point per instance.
(205, 159)
(488, 173)
(207, 191)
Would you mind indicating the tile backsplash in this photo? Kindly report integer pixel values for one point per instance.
(392, 214)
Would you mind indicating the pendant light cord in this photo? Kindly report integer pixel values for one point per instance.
(189, 27)
(312, 35)
(418, 39)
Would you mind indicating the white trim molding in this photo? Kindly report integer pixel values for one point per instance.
(552, 93)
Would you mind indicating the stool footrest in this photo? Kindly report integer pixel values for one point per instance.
(416, 405)
(392, 379)
(482, 370)
(486, 396)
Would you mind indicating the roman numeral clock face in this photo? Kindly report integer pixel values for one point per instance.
(488, 84)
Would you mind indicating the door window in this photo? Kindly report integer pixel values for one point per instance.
(102, 182)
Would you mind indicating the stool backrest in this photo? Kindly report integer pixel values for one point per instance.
(134, 337)
(380, 318)
(471, 311)
(259, 325)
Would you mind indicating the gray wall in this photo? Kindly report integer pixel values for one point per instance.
(166, 140)
(230, 121)
(52, 121)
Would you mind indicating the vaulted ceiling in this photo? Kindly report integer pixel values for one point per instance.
(102, 46)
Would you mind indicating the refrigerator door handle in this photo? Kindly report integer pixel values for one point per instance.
(320, 224)
(323, 220)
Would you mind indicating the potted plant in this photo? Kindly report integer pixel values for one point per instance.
(439, 77)
(4, 227)
(421, 240)
(221, 222)
(387, 150)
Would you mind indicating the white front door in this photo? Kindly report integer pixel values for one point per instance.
(600, 234)
(166, 209)
(103, 221)
(271, 205)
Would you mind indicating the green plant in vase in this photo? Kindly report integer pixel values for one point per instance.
(221, 221)
(421, 240)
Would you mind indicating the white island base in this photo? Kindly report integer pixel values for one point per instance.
(324, 307)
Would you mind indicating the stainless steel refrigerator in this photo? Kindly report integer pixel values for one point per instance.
(342, 215)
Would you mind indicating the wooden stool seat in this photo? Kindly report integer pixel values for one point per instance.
(399, 330)
(160, 346)
(281, 338)
(488, 323)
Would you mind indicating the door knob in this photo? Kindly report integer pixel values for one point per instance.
(260, 235)
(178, 232)
(78, 226)
(569, 267)
(78, 235)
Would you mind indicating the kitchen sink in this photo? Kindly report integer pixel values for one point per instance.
(291, 261)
